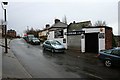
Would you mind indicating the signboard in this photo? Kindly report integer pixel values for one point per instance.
(101, 35)
(75, 33)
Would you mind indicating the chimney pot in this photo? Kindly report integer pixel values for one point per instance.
(57, 20)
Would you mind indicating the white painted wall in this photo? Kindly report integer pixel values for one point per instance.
(101, 44)
(51, 35)
(83, 45)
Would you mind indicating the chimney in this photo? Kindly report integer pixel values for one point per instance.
(57, 20)
(47, 25)
(74, 22)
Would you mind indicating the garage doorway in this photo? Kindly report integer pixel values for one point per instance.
(91, 42)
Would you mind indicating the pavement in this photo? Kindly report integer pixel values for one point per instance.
(11, 67)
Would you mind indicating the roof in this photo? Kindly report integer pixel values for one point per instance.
(78, 26)
(11, 30)
(58, 25)
(99, 27)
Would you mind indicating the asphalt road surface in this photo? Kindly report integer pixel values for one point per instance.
(40, 64)
(35, 62)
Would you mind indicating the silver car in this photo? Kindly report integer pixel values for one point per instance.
(53, 46)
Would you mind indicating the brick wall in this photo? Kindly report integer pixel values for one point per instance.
(108, 38)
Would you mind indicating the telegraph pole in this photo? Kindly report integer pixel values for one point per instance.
(6, 50)
(5, 25)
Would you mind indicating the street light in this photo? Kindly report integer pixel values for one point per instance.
(5, 3)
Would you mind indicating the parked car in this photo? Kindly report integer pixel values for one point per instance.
(110, 57)
(25, 38)
(29, 38)
(35, 41)
(53, 46)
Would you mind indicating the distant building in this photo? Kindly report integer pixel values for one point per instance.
(58, 32)
(44, 33)
(11, 33)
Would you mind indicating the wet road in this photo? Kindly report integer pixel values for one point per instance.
(36, 64)
(41, 64)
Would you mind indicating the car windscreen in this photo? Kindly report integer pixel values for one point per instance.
(107, 51)
(55, 43)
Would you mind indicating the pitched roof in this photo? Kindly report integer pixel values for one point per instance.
(107, 27)
(58, 25)
(79, 25)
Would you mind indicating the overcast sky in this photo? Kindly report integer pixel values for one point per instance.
(38, 13)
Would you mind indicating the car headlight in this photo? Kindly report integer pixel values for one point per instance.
(33, 41)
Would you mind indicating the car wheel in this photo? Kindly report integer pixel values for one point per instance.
(52, 50)
(108, 63)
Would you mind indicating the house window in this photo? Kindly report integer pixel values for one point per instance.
(59, 34)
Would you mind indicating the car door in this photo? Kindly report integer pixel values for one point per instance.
(48, 45)
(116, 57)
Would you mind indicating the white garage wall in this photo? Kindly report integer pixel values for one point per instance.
(101, 42)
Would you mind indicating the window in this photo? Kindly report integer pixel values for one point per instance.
(59, 34)
(116, 52)
(108, 51)
(55, 43)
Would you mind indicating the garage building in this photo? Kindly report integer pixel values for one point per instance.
(96, 38)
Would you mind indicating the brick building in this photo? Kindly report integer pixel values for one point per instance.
(11, 33)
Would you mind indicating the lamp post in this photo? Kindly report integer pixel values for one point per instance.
(5, 3)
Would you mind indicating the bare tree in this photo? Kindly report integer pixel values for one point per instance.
(64, 20)
(100, 23)
(32, 31)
